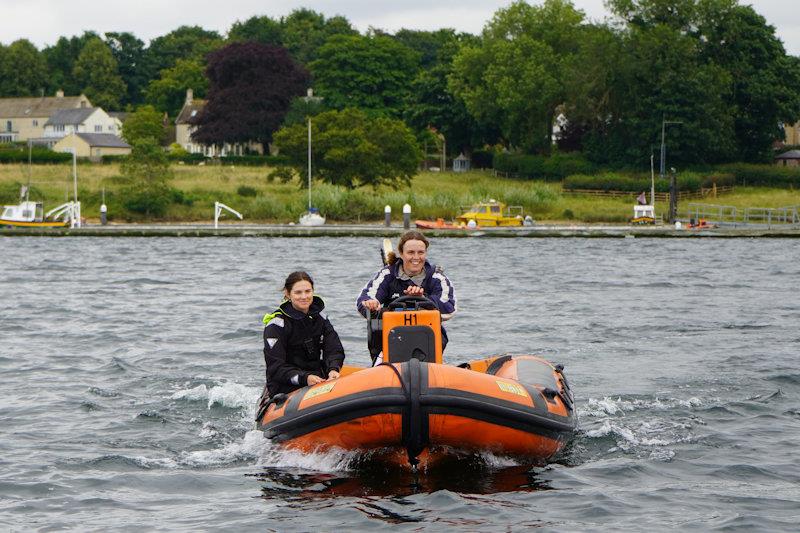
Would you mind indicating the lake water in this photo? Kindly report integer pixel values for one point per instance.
(130, 367)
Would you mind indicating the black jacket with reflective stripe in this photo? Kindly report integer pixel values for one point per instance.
(298, 344)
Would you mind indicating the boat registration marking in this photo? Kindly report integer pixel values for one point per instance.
(512, 388)
(318, 391)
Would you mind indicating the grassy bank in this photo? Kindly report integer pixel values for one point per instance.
(431, 195)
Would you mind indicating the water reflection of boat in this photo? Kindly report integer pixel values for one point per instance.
(492, 213)
(415, 410)
(465, 475)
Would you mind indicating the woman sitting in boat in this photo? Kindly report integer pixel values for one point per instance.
(300, 345)
(409, 274)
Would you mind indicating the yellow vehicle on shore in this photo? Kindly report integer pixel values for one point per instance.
(492, 213)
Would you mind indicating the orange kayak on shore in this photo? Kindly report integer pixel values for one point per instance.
(439, 223)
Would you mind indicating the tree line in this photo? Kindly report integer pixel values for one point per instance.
(714, 70)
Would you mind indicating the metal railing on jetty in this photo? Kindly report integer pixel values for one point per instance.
(728, 215)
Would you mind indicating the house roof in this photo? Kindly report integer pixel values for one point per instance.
(189, 111)
(121, 115)
(38, 106)
(106, 140)
(70, 117)
(791, 154)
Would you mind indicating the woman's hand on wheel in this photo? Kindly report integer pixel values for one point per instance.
(372, 305)
(414, 290)
(313, 379)
(333, 374)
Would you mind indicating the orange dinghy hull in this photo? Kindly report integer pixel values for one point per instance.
(439, 223)
(515, 406)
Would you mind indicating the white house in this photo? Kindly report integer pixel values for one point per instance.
(82, 120)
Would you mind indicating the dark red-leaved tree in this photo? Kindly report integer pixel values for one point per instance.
(250, 88)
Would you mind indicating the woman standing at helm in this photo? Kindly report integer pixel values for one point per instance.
(410, 274)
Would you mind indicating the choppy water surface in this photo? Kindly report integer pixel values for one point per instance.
(130, 368)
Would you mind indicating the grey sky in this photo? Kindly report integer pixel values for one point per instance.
(43, 21)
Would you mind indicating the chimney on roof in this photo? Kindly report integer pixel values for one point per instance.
(60, 93)
(189, 96)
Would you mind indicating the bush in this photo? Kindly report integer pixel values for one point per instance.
(246, 190)
(482, 159)
(763, 175)
(153, 202)
(110, 159)
(255, 160)
(554, 168)
(185, 157)
(282, 174)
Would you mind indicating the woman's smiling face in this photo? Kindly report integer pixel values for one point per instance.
(301, 295)
(413, 256)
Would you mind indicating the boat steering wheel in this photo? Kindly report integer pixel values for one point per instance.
(411, 302)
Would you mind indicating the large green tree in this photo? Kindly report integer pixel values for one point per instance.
(661, 79)
(61, 59)
(96, 73)
(765, 81)
(168, 93)
(373, 73)
(144, 123)
(305, 31)
(594, 88)
(736, 43)
(352, 149)
(431, 104)
(146, 175)
(260, 29)
(129, 52)
(186, 42)
(23, 70)
(515, 76)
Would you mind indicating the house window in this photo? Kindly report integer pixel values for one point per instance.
(98, 129)
(111, 128)
(8, 126)
(35, 122)
(59, 127)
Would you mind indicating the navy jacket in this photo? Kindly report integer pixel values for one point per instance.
(298, 344)
(385, 286)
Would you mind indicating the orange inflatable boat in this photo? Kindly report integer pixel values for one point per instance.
(416, 409)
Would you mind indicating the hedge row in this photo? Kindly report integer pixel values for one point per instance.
(764, 175)
(39, 155)
(553, 168)
(687, 181)
(243, 160)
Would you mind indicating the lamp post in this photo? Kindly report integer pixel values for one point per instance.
(673, 204)
(310, 99)
(664, 123)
